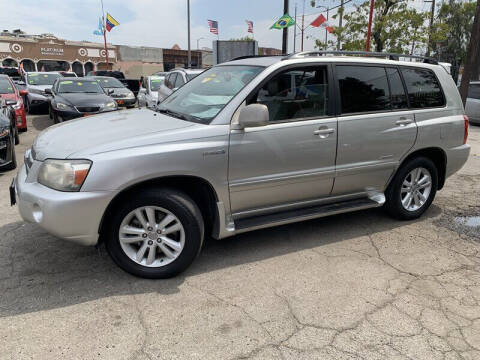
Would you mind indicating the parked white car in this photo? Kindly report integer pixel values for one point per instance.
(472, 106)
(175, 79)
(148, 93)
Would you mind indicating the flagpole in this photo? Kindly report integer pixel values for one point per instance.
(105, 35)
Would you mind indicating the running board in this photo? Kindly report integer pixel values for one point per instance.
(290, 216)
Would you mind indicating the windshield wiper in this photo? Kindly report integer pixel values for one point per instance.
(173, 113)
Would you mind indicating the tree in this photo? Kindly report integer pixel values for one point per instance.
(472, 54)
(397, 27)
(451, 33)
(245, 38)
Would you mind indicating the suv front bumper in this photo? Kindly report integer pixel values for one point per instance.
(73, 216)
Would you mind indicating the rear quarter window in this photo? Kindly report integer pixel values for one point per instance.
(423, 88)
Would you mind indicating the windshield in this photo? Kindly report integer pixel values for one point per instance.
(155, 83)
(6, 87)
(192, 76)
(42, 79)
(75, 86)
(205, 96)
(109, 83)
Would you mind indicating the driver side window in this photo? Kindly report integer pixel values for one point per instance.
(295, 94)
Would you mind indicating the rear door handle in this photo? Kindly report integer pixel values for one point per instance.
(403, 121)
(323, 133)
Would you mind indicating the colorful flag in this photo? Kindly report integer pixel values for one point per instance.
(213, 25)
(250, 26)
(284, 22)
(99, 30)
(322, 21)
(111, 22)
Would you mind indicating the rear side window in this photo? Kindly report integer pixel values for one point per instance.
(398, 97)
(363, 88)
(474, 91)
(423, 88)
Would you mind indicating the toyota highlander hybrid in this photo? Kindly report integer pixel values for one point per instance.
(247, 144)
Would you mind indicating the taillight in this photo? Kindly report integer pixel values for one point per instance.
(465, 134)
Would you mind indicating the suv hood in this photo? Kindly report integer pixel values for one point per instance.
(107, 132)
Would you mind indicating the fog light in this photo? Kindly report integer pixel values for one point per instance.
(37, 213)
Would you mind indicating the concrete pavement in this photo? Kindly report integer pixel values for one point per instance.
(353, 286)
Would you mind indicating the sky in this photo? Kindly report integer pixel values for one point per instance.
(161, 23)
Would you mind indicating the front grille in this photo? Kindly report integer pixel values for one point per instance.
(88, 109)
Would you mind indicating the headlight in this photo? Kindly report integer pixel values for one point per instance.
(36, 91)
(110, 106)
(130, 95)
(4, 132)
(62, 106)
(64, 175)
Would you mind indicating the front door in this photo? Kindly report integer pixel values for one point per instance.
(375, 127)
(292, 159)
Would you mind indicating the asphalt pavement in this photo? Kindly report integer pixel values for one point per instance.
(352, 286)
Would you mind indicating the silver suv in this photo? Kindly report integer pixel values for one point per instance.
(247, 144)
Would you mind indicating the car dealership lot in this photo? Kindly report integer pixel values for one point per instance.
(357, 285)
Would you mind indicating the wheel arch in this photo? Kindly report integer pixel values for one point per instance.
(439, 158)
(200, 190)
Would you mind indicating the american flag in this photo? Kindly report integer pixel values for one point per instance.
(250, 26)
(213, 26)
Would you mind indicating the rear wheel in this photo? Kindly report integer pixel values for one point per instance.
(413, 189)
(156, 233)
(17, 137)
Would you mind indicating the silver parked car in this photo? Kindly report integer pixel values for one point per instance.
(175, 79)
(247, 144)
(472, 106)
(148, 93)
(36, 83)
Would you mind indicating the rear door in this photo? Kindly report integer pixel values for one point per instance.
(375, 127)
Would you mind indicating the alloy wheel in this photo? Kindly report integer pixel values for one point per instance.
(416, 189)
(151, 236)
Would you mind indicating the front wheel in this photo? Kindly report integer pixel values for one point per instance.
(412, 190)
(155, 234)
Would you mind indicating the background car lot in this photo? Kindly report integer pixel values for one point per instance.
(375, 289)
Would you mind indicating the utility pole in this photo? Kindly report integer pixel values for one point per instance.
(472, 55)
(370, 18)
(189, 63)
(303, 22)
(285, 30)
(340, 21)
(430, 27)
(295, 30)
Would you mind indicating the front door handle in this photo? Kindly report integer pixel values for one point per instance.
(403, 121)
(323, 133)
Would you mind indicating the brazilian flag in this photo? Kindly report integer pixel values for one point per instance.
(284, 22)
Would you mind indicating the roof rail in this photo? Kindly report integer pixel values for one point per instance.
(390, 56)
(252, 56)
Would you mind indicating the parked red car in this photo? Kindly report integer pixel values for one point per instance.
(8, 91)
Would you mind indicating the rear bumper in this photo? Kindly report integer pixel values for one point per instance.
(73, 216)
(456, 158)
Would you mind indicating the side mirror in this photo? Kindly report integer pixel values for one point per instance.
(253, 115)
(23, 92)
(48, 91)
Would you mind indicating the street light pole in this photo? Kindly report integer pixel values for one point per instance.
(198, 41)
(189, 64)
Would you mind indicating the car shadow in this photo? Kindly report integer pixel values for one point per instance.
(39, 272)
(42, 122)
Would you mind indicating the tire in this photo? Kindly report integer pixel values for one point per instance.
(13, 163)
(394, 194)
(17, 137)
(130, 106)
(163, 200)
(55, 118)
(50, 115)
